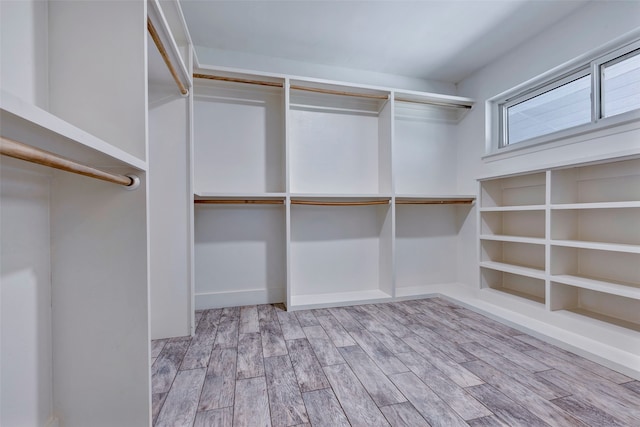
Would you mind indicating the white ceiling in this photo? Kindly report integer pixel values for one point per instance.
(444, 40)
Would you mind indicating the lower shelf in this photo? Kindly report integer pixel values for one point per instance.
(614, 309)
(337, 299)
(530, 288)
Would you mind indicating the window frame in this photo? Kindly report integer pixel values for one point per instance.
(592, 64)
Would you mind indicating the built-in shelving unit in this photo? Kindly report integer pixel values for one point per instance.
(567, 237)
(366, 188)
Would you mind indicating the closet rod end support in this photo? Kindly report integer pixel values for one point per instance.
(135, 182)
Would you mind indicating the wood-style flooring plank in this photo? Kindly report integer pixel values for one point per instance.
(325, 351)
(248, 320)
(396, 327)
(404, 415)
(324, 410)
(445, 343)
(197, 356)
(516, 372)
(222, 417)
(346, 320)
(207, 328)
(250, 363)
(490, 421)
(285, 399)
(587, 413)
(157, 346)
(180, 406)
(219, 384)
(196, 318)
(522, 395)
(633, 386)
(227, 336)
(481, 331)
(509, 355)
(291, 329)
(308, 370)
(430, 406)
(157, 400)
(354, 399)
(380, 388)
(587, 364)
(504, 408)
(595, 396)
(381, 355)
(166, 367)
(455, 396)
(273, 343)
(251, 406)
(307, 318)
(442, 362)
(338, 335)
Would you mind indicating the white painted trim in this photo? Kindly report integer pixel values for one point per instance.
(207, 300)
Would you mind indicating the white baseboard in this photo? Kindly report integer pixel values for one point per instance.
(204, 301)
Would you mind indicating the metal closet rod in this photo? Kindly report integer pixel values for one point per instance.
(18, 150)
(429, 102)
(435, 202)
(165, 56)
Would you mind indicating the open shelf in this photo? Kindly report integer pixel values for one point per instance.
(26, 123)
(238, 138)
(514, 239)
(339, 144)
(629, 290)
(521, 190)
(604, 226)
(612, 182)
(602, 306)
(240, 254)
(514, 269)
(530, 288)
(513, 223)
(608, 266)
(339, 252)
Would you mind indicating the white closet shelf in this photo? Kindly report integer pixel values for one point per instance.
(26, 123)
(338, 298)
(614, 247)
(237, 196)
(513, 208)
(514, 269)
(630, 290)
(515, 239)
(509, 291)
(171, 52)
(339, 197)
(599, 205)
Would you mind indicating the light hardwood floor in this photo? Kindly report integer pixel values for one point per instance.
(412, 363)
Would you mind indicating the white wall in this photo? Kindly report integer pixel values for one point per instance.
(23, 50)
(223, 58)
(25, 294)
(589, 28)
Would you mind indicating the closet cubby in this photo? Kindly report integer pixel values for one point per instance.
(602, 306)
(525, 223)
(514, 191)
(601, 265)
(240, 253)
(239, 138)
(339, 140)
(616, 226)
(522, 258)
(426, 236)
(529, 288)
(609, 184)
(424, 152)
(340, 255)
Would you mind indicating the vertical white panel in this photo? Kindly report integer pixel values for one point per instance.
(100, 302)
(169, 200)
(25, 295)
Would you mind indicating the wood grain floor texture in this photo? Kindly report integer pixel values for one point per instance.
(413, 363)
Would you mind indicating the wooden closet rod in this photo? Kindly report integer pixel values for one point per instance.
(441, 104)
(435, 202)
(239, 202)
(237, 80)
(319, 203)
(165, 56)
(339, 92)
(18, 150)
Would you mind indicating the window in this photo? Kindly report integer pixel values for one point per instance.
(601, 91)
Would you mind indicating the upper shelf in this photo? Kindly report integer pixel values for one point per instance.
(31, 125)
